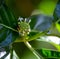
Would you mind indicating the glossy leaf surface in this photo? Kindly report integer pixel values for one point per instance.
(7, 18)
(40, 23)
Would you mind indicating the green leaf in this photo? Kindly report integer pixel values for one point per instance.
(7, 19)
(1, 1)
(46, 49)
(41, 22)
(57, 12)
(47, 53)
(54, 32)
(22, 51)
(47, 7)
(5, 49)
(38, 44)
(58, 25)
(56, 45)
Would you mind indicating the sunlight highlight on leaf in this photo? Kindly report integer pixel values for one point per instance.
(47, 6)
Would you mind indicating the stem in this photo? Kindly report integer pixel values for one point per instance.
(11, 52)
(32, 38)
(37, 36)
(8, 27)
(34, 52)
(53, 35)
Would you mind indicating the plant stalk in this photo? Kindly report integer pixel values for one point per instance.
(8, 27)
(11, 52)
(32, 49)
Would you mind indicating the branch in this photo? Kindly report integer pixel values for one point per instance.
(53, 35)
(8, 27)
